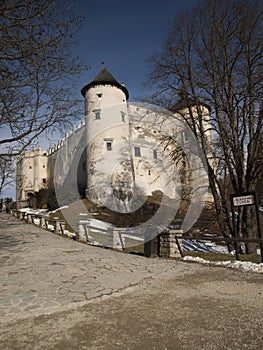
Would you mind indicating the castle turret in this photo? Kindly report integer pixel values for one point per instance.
(31, 174)
(106, 124)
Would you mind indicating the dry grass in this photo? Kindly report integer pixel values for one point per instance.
(224, 257)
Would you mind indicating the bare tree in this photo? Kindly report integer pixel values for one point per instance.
(7, 173)
(213, 55)
(37, 70)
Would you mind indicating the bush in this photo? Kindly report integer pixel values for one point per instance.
(46, 199)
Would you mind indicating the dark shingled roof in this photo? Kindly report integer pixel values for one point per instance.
(104, 77)
(185, 103)
(182, 104)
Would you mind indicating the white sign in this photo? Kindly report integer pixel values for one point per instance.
(243, 200)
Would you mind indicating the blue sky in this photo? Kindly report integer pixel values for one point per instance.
(123, 35)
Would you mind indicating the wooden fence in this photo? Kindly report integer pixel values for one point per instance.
(167, 244)
(228, 240)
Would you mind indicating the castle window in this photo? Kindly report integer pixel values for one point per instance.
(137, 151)
(108, 143)
(44, 166)
(186, 136)
(44, 181)
(149, 172)
(99, 95)
(97, 113)
(154, 154)
(123, 117)
(30, 167)
(109, 146)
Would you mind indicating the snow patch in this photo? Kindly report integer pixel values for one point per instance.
(240, 265)
(54, 211)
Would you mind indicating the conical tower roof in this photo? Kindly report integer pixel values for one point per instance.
(186, 103)
(104, 77)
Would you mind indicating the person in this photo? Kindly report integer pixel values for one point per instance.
(8, 204)
(1, 205)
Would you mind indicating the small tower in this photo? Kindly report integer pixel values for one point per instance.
(107, 126)
(31, 174)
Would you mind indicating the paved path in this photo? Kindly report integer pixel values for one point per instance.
(56, 293)
(41, 270)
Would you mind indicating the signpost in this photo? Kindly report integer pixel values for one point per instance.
(248, 198)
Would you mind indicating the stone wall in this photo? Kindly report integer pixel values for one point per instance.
(170, 245)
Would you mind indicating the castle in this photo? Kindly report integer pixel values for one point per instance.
(121, 152)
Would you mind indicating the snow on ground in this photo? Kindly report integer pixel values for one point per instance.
(54, 211)
(240, 265)
(33, 211)
(70, 234)
(201, 246)
(98, 224)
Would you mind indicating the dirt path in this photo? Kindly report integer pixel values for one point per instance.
(211, 308)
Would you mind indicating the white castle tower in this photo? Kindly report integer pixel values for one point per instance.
(31, 174)
(107, 127)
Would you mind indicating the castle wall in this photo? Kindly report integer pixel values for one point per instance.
(37, 169)
(67, 165)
